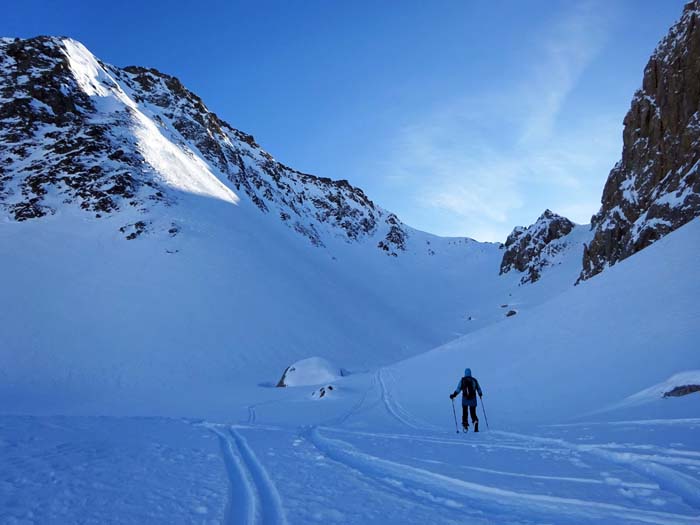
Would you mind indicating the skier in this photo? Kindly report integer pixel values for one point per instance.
(469, 386)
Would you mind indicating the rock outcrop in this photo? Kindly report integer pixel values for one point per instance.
(655, 187)
(529, 250)
(75, 131)
(681, 391)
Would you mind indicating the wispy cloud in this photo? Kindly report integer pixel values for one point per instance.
(483, 158)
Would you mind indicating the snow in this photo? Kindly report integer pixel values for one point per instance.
(656, 392)
(187, 173)
(311, 371)
(224, 306)
(565, 444)
(177, 167)
(572, 349)
(135, 376)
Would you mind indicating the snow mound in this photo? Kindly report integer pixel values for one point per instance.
(310, 371)
(664, 389)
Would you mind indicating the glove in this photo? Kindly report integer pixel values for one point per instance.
(479, 396)
(452, 396)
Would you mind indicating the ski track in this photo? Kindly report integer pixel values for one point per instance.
(240, 507)
(655, 449)
(632, 422)
(357, 407)
(395, 409)
(408, 494)
(446, 441)
(253, 497)
(270, 502)
(438, 487)
(252, 416)
(652, 466)
(684, 486)
(569, 479)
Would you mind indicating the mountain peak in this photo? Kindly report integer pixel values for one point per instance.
(77, 131)
(530, 250)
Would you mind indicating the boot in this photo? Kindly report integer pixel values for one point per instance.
(465, 427)
(476, 425)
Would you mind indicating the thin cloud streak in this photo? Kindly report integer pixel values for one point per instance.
(481, 158)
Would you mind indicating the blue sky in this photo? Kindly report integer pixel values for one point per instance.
(464, 117)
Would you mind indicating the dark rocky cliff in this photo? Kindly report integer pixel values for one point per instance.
(655, 187)
(530, 250)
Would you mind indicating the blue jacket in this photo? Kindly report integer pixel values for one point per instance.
(468, 401)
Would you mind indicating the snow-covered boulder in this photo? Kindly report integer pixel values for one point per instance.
(310, 371)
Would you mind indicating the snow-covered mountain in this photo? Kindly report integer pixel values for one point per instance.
(167, 251)
(157, 262)
(655, 187)
(76, 131)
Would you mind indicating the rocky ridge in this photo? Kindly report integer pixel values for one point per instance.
(75, 131)
(655, 187)
(530, 250)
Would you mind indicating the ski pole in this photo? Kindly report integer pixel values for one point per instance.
(483, 409)
(455, 416)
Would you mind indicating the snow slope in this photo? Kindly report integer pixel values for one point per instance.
(154, 249)
(383, 449)
(103, 325)
(595, 344)
(561, 447)
(152, 296)
(126, 470)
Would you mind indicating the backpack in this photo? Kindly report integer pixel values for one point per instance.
(468, 387)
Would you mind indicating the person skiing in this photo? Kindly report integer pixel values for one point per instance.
(469, 386)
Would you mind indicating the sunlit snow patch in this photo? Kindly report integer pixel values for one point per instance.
(177, 166)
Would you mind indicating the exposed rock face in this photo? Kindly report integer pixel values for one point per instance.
(77, 131)
(655, 187)
(529, 250)
(684, 390)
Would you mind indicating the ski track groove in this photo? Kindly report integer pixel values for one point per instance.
(682, 485)
(395, 409)
(441, 486)
(253, 498)
(241, 502)
(405, 493)
(270, 503)
(460, 442)
(252, 416)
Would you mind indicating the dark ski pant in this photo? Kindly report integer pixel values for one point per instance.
(465, 411)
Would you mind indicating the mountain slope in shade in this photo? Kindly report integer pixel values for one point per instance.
(655, 187)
